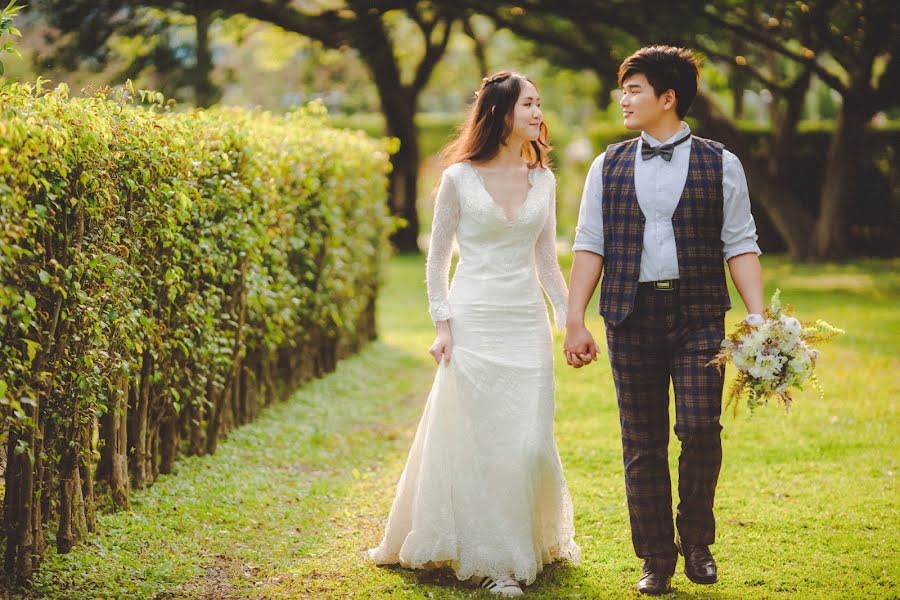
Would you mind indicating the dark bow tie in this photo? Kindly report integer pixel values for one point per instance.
(664, 151)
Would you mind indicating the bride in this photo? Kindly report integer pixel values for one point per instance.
(483, 490)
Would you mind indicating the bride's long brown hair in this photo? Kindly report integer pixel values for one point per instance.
(490, 121)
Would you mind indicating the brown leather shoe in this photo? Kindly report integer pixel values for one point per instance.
(699, 564)
(656, 577)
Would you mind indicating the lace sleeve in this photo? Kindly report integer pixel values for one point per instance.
(548, 270)
(440, 249)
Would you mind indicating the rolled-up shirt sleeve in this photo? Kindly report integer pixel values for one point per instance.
(738, 228)
(589, 231)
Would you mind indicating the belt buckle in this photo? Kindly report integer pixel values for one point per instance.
(665, 284)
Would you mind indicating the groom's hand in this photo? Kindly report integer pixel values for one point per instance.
(579, 348)
(754, 319)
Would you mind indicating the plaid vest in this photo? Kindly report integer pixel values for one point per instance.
(697, 222)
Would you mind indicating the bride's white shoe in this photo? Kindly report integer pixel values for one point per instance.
(505, 586)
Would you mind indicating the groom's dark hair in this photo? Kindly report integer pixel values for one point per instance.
(666, 68)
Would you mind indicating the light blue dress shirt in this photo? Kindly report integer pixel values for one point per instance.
(659, 184)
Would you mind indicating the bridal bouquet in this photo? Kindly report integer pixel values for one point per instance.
(772, 355)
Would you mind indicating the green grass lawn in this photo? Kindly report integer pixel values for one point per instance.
(807, 505)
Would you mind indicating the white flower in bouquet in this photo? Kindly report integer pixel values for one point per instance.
(788, 331)
(799, 366)
(790, 326)
(772, 354)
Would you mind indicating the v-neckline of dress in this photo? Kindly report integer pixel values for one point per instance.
(499, 208)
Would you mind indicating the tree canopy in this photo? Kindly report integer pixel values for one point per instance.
(774, 53)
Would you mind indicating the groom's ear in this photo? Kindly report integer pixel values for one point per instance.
(670, 100)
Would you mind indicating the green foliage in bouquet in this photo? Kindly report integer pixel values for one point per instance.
(774, 357)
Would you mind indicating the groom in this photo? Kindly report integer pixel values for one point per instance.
(658, 215)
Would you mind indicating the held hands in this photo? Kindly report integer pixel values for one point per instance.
(443, 343)
(579, 348)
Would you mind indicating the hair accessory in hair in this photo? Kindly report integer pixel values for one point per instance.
(496, 78)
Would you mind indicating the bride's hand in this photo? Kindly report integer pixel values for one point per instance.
(443, 343)
(579, 348)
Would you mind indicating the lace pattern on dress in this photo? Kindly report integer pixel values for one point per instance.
(483, 490)
(440, 248)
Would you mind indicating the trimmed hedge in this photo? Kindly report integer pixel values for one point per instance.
(163, 277)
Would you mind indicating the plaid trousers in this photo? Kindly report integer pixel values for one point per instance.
(654, 344)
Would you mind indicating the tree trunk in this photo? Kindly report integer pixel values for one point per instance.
(40, 490)
(399, 103)
(86, 469)
(273, 385)
(236, 408)
(118, 481)
(79, 518)
(153, 445)
(65, 535)
(141, 426)
(7, 467)
(480, 46)
(214, 423)
(737, 81)
(326, 356)
(113, 466)
(21, 550)
(847, 144)
(791, 220)
(11, 509)
(205, 93)
(198, 411)
(169, 438)
(403, 181)
(49, 479)
(107, 444)
(784, 125)
(19, 511)
(244, 396)
(25, 537)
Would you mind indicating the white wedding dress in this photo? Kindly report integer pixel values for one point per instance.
(483, 489)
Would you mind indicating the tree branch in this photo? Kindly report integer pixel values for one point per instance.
(329, 27)
(754, 73)
(887, 90)
(751, 34)
(480, 51)
(577, 53)
(433, 52)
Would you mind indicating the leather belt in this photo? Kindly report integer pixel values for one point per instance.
(665, 285)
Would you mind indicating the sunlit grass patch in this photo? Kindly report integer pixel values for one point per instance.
(807, 504)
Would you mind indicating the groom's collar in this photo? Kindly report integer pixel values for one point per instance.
(679, 135)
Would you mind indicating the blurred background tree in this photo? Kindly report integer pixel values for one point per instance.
(86, 29)
(7, 29)
(773, 51)
(793, 88)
